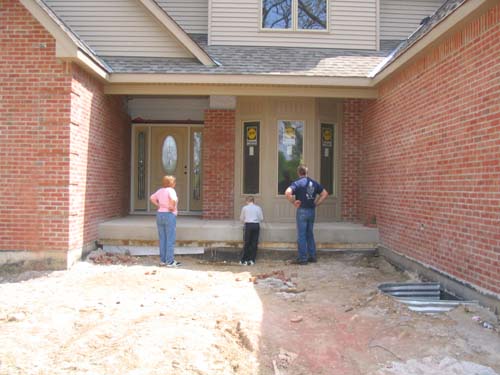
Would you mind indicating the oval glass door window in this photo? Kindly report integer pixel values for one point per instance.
(169, 155)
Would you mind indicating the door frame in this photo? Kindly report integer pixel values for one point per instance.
(133, 175)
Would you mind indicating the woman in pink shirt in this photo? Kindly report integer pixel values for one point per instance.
(166, 201)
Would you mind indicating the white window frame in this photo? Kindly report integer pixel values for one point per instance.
(295, 20)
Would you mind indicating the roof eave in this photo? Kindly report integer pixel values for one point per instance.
(241, 90)
(459, 15)
(238, 79)
(66, 47)
(181, 36)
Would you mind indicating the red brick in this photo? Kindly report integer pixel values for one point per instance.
(49, 193)
(430, 147)
(218, 164)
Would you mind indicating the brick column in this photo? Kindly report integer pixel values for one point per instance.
(351, 159)
(218, 164)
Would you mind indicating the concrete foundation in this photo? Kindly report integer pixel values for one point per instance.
(19, 261)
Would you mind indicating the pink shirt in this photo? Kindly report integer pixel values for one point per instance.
(166, 197)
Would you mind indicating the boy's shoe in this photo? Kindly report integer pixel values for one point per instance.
(174, 264)
(250, 263)
(299, 262)
(312, 260)
(243, 263)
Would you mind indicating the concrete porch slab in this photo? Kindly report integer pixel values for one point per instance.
(193, 232)
(151, 250)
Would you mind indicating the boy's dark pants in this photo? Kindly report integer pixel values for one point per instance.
(251, 237)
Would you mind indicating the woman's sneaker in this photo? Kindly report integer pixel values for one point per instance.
(174, 264)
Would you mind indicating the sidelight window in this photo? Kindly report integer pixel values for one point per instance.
(327, 156)
(251, 157)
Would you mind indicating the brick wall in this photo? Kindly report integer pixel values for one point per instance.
(218, 164)
(64, 146)
(352, 128)
(34, 135)
(99, 158)
(431, 165)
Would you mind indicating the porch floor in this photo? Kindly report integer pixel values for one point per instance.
(137, 233)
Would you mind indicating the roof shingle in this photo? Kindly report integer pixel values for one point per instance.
(260, 60)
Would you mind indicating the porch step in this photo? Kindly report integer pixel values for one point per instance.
(137, 233)
(151, 250)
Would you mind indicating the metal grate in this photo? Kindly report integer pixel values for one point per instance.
(421, 297)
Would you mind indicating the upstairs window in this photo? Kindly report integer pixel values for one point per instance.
(277, 14)
(294, 14)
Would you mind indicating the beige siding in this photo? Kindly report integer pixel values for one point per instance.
(118, 28)
(400, 18)
(178, 108)
(191, 15)
(352, 24)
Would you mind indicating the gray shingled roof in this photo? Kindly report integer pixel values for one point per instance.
(72, 35)
(281, 61)
(260, 60)
(425, 27)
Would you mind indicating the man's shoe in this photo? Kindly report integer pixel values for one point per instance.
(174, 264)
(250, 263)
(243, 263)
(299, 262)
(312, 260)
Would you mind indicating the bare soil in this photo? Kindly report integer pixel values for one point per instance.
(125, 315)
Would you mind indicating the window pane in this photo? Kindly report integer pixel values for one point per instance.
(312, 14)
(251, 158)
(277, 14)
(169, 155)
(141, 166)
(290, 136)
(196, 171)
(327, 143)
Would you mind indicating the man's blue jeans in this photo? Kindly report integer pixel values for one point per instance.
(305, 234)
(166, 222)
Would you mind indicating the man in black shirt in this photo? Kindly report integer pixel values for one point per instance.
(308, 195)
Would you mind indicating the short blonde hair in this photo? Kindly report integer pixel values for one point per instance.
(168, 181)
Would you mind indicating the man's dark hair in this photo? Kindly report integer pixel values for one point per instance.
(302, 170)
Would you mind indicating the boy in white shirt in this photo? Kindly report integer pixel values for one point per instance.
(251, 215)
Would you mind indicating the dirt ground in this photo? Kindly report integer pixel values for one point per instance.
(125, 315)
